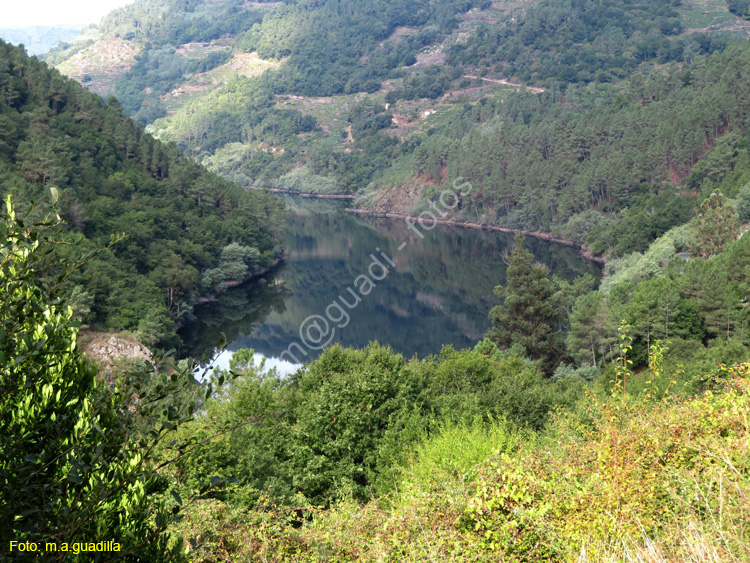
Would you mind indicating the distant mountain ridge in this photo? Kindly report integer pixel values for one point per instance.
(38, 39)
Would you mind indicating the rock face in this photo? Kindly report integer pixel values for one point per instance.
(107, 350)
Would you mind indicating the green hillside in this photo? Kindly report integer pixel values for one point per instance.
(469, 455)
(591, 423)
(387, 101)
(186, 231)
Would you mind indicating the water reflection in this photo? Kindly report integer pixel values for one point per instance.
(439, 292)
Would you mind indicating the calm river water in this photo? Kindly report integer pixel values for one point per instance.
(439, 291)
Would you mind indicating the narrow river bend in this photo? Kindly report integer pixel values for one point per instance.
(439, 291)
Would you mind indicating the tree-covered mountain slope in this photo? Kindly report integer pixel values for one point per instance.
(395, 100)
(186, 230)
(613, 167)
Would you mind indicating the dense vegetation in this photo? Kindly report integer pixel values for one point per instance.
(610, 136)
(463, 451)
(568, 42)
(179, 221)
(364, 455)
(323, 44)
(611, 168)
(76, 455)
(623, 478)
(327, 42)
(589, 425)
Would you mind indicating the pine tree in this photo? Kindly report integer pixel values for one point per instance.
(588, 329)
(532, 313)
(715, 225)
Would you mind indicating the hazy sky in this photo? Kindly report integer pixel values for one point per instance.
(55, 12)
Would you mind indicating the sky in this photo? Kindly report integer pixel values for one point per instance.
(17, 13)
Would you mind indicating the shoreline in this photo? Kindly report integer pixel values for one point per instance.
(484, 227)
(214, 295)
(303, 194)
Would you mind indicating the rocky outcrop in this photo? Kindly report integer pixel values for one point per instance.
(107, 350)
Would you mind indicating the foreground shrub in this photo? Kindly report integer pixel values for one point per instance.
(621, 479)
(76, 455)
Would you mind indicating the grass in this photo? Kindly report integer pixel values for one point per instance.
(620, 479)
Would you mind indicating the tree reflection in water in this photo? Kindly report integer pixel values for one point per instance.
(440, 291)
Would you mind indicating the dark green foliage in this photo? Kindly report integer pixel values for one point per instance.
(567, 42)
(348, 401)
(646, 220)
(739, 7)
(743, 204)
(715, 226)
(703, 300)
(161, 25)
(241, 111)
(114, 178)
(602, 165)
(587, 339)
(163, 22)
(236, 263)
(76, 456)
(344, 425)
(334, 47)
(532, 312)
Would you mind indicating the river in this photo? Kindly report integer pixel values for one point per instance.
(436, 288)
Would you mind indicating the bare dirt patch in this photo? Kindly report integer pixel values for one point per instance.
(199, 50)
(101, 63)
(398, 33)
(243, 64)
(432, 57)
(710, 16)
(398, 198)
(262, 5)
(110, 351)
(503, 82)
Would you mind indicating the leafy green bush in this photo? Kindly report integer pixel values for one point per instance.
(77, 457)
(303, 180)
(585, 372)
(453, 450)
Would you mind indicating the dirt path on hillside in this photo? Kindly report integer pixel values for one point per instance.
(503, 82)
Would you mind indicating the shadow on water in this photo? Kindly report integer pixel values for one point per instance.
(439, 292)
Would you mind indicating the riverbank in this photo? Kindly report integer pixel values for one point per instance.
(303, 194)
(485, 227)
(214, 295)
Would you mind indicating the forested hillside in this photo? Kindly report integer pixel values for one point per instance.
(365, 456)
(590, 423)
(395, 101)
(614, 167)
(186, 231)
